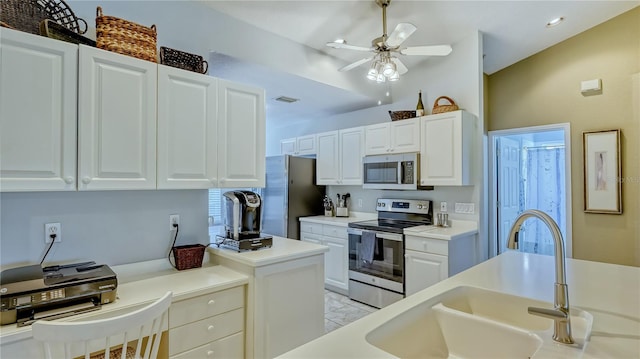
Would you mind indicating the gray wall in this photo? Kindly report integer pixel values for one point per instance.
(111, 227)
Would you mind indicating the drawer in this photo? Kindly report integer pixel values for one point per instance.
(309, 227)
(313, 238)
(190, 310)
(230, 347)
(335, 231)
(429, 245)
(204, 331)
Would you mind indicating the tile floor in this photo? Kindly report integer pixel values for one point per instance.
(339, 310)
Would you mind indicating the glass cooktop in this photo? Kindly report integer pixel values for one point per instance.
(386, 225)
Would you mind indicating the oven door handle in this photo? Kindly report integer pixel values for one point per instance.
(384, 235)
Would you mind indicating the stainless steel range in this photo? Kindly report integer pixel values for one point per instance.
(376, 250)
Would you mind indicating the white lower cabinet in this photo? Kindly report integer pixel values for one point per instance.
(430, 260)
(208, 326)
(336, 261)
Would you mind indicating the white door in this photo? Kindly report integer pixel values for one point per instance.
(38, 94)
(336, 271)
(241, 135)
(187, 129)
(377, 140)
(306, 145)
(288, 146)
(405, 136)
(424, 270)
(116, 121)
(351, 149)
(328, 159)
(508, 195)
(440, 155)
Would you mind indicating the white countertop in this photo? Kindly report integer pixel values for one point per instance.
(456, 230)
(340, 221)
(283, 249)
(159, 277)
(611, 293)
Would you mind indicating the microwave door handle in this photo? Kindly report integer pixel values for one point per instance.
(401, 172)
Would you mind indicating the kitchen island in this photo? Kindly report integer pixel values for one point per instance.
(285, 294)
(610, 293)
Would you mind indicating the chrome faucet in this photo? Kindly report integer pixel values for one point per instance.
(560, 313)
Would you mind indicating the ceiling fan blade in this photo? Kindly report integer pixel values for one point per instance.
(399, 66)
(401, 33)
(341, 45)
(355, 64)
(435, 50)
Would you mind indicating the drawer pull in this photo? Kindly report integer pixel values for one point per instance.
(211, 302)
(209, 353)
(210, 328)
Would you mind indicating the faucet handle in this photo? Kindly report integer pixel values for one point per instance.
(555, 314)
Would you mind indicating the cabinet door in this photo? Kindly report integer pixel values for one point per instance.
(187, 129)
(38, 94)
(405, 135)
(288, 146)
(424, 270)
(116, 121)
(336, 262)
(351, 150)
(441, 157)
(306, 145)
(328, 159)
(241, 135)
(377, 139)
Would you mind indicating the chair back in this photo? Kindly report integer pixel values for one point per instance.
(131, 335)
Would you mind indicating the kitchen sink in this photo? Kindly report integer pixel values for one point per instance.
(469, 322)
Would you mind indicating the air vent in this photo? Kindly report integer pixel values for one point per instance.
(287, 99)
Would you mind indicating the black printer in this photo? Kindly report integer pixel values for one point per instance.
(32, 292)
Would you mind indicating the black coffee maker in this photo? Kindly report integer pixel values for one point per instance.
(242, 214)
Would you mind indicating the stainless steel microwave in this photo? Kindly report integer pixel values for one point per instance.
(398, 171)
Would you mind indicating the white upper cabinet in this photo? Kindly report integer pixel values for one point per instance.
(393, 137)
(339, 157)
(299, 146)
(116, 121)
(328, 158)
(241, 135)
(38, 89)
(187, 129)
(447, 149)
(351, 152)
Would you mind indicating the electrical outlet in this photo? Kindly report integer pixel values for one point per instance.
(443, 206)
(359, 202)
(173, 219)
(52, 228)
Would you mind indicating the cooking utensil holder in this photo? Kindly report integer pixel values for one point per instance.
(342, 212)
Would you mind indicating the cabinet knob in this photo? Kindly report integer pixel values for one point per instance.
(86, 180)
(211, 302)
(210, 328)
(222, 180)
(69, 180)
(209, 353)
(213, 180)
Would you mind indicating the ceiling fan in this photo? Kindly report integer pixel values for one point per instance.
(385, 66)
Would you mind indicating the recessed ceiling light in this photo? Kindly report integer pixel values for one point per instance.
(555, 21)
(340, 41)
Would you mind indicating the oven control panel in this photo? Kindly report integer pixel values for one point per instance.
(403, 205)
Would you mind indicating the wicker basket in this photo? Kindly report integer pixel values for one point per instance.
(189, 256)
(126, 37)
(183, 60)
(437, 108)
(401, 115)
(52, 29)
(26, 15)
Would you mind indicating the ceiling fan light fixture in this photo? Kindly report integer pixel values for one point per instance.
(395, 76)
(389, 69)
(381, 78)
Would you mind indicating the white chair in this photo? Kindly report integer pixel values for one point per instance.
(106, 338)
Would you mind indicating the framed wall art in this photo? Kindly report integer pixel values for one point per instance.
(602, 171)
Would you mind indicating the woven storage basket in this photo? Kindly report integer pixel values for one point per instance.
(437, 108)
(126, 37)
(189, 256)
(52, 29)
(183, 60)
(26, 15)
(401, 115)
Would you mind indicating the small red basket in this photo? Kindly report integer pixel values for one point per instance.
(189, 256)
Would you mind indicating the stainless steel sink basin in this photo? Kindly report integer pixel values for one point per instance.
(469, 322)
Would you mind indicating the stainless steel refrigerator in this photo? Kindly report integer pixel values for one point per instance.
(290, 193)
